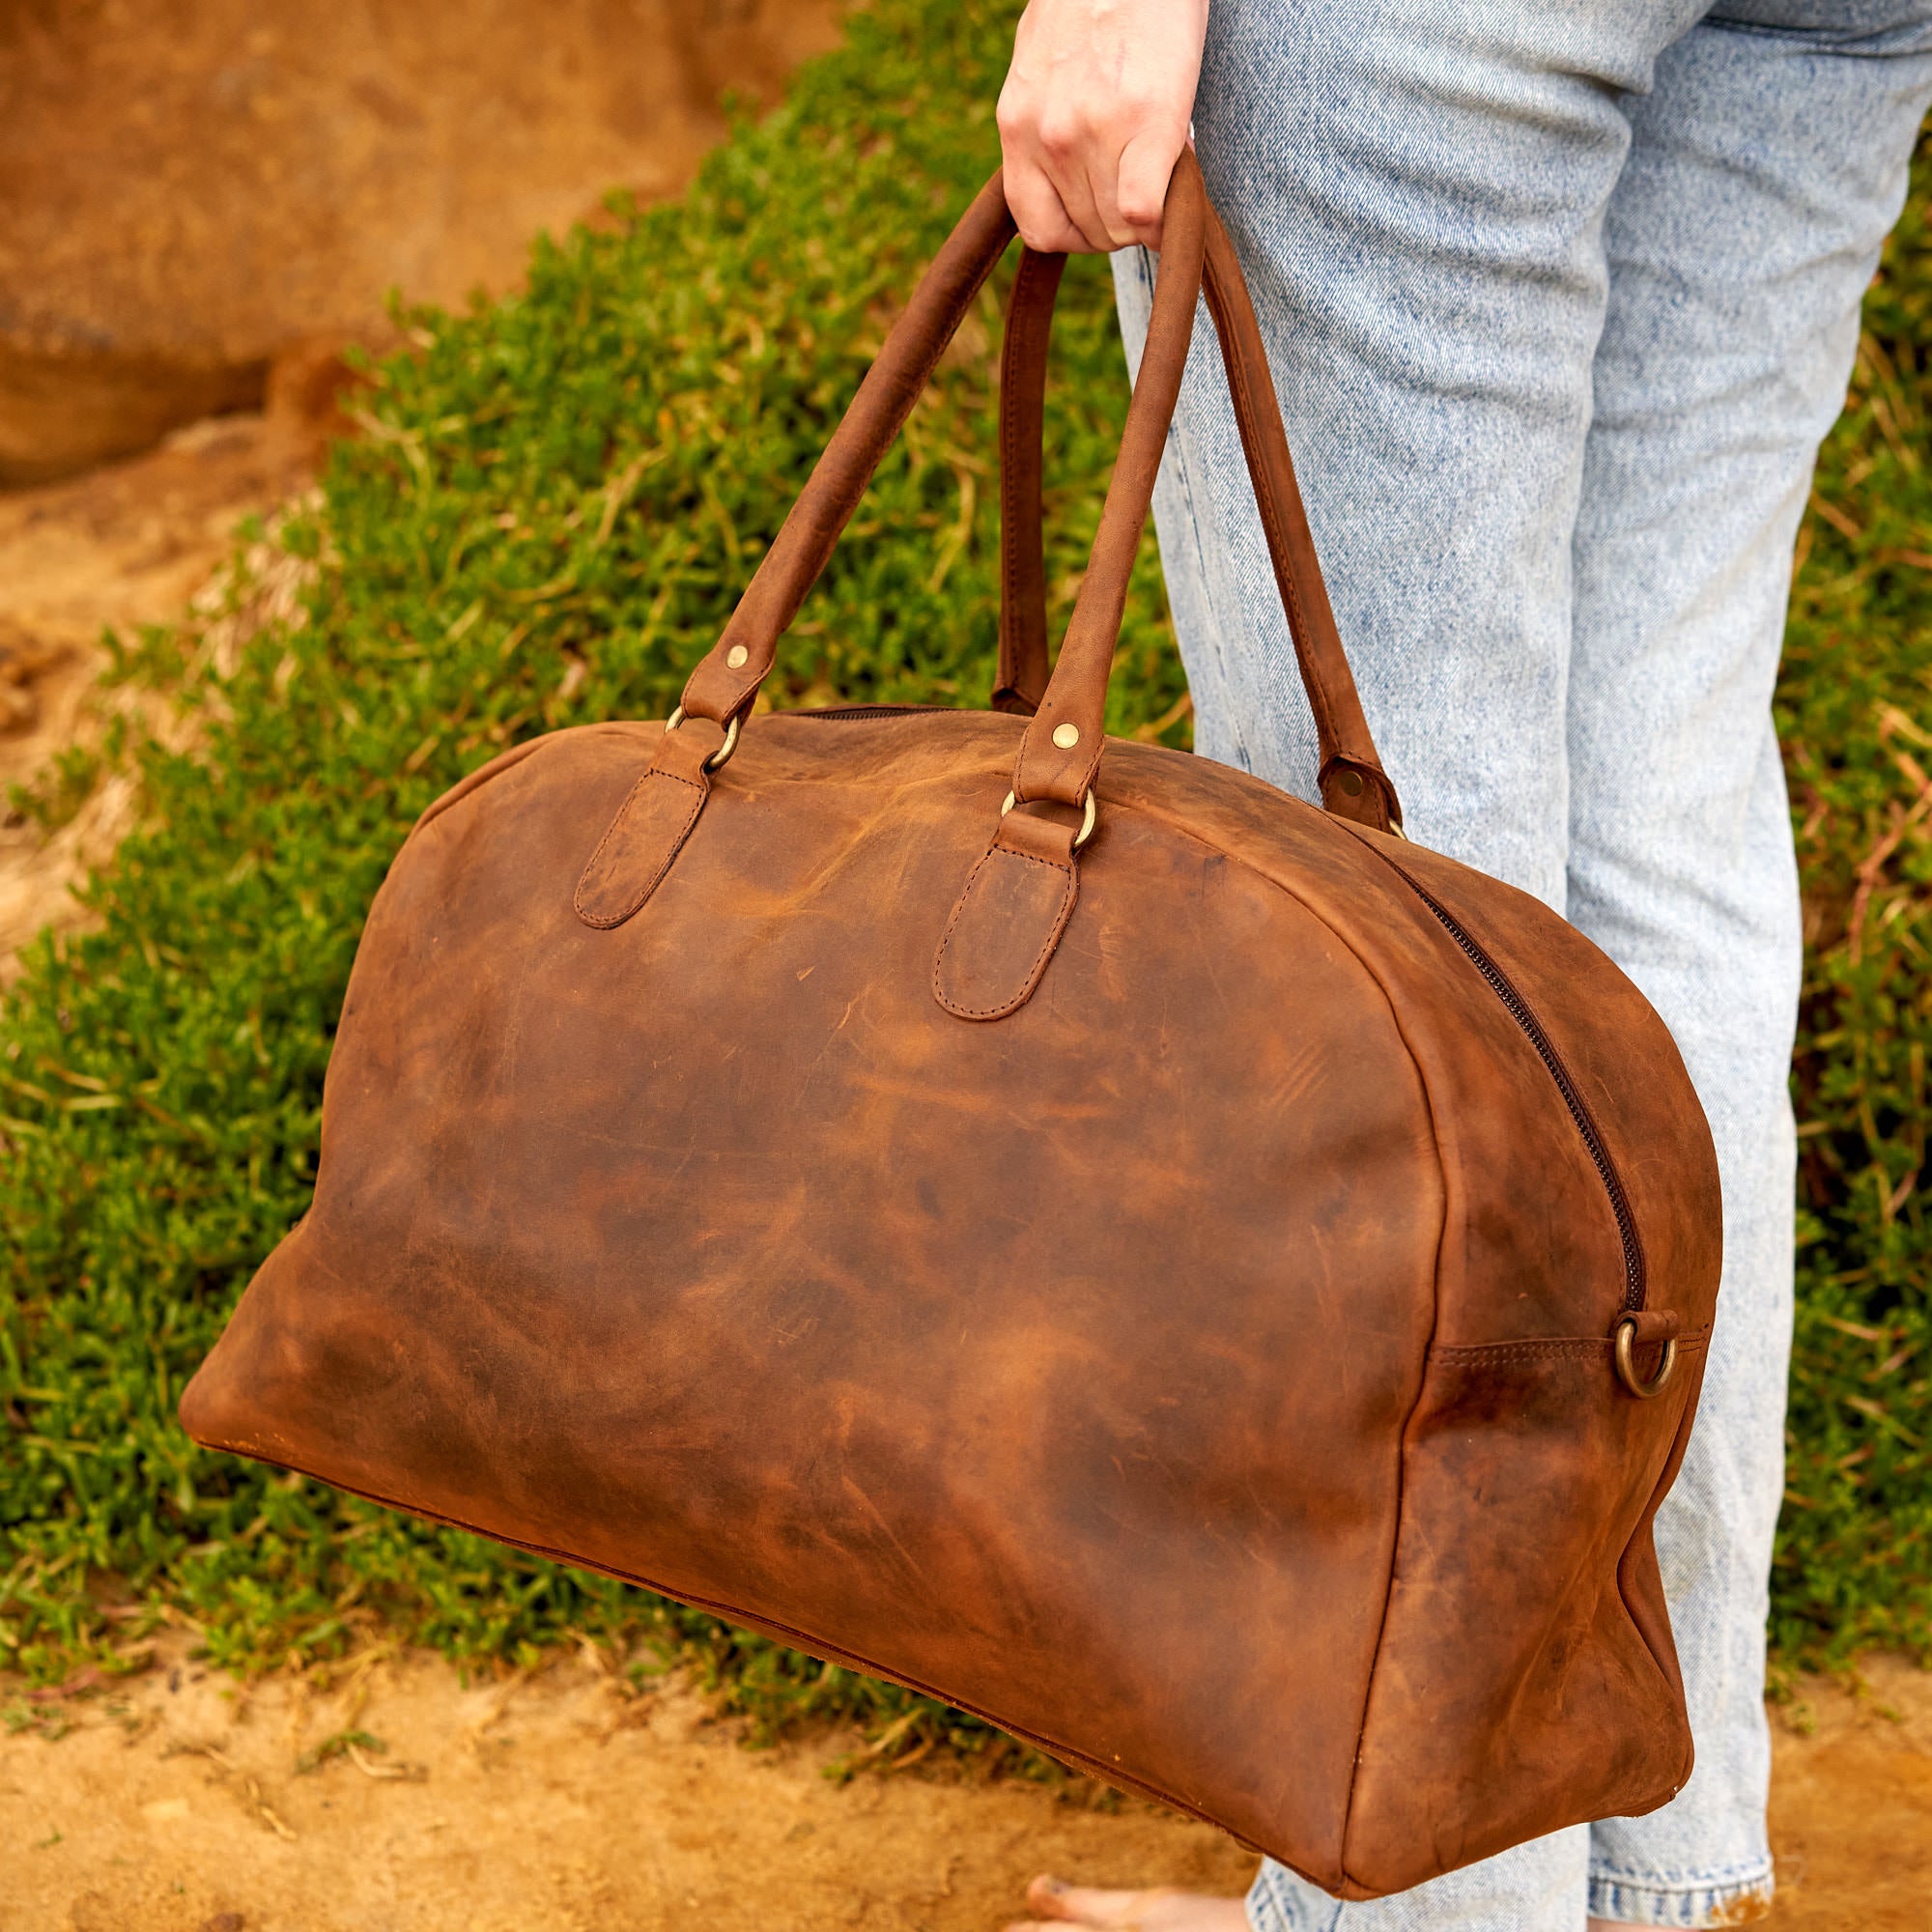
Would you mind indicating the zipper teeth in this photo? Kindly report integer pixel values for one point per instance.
(1634, 1266)
(841, 712)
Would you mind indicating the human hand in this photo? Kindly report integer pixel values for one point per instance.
(1093, 116)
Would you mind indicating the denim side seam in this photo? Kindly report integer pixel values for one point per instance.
(1689, 1903)
(1274, 1904)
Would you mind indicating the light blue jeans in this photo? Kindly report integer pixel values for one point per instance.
(1561, 300)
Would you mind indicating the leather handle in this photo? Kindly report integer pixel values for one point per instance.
(1023, 351)
(1061, 750)
(1352, 780)
(728, 675)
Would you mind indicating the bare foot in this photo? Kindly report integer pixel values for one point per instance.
(1161, 1910)
(1164, 1909)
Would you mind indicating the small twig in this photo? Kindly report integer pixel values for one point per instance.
(360, 1759)
(267, 1813)
(1149, 734)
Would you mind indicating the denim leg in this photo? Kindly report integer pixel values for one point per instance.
(1465, 238)
(1418, 190)
(1765, 167)
(1533, 1888)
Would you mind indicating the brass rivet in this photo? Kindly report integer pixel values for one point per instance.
(1066, 736)
(736, 657)
(1351, 784)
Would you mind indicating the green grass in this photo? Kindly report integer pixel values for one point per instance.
(1855, 711)
(557, 503)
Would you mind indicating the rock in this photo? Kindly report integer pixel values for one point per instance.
(192, 190)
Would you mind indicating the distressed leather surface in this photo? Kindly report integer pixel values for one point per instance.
(1157, 1297)
(1069, 1366)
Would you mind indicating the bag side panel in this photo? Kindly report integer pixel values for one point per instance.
(1530, 1242)
(1514, 1693)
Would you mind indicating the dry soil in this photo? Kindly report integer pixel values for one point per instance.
(397, 1799)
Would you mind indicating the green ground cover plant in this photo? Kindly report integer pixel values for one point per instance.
(1853, 1562)
(556, 500)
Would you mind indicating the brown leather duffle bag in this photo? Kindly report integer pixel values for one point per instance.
(1197, 1279)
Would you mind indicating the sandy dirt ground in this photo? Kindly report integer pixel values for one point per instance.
(397, 1799)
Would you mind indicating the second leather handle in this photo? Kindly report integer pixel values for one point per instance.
(1350, 776)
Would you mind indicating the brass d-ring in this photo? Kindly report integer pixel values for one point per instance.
(717, 760)
(1626, 1336)
(1089, 818)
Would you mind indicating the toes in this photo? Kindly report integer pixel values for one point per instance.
(1088, 1905)
(1046, 1895)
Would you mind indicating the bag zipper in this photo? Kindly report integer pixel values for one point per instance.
(842, 712)
(1635, 1272)
(1636, 1286)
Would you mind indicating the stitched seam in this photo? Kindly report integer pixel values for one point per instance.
(624, 813)
(1555, 1344)
(605, 921)
(617, 818)
(1040, 959)
(1739, 1878)
(1086, 776)
(1815, 41)
(1507, 1352)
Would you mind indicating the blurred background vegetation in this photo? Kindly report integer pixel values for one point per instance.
(552, 506)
